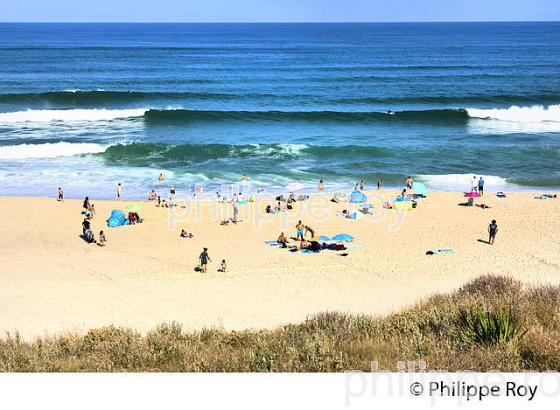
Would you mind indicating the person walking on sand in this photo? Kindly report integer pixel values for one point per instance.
(409, 181)
(119, 191)
(235, 212)
(481, 186)
(204, 259)
(378, 184)
(60, 194)
(299, 231)
(321, 186)
(492, 231)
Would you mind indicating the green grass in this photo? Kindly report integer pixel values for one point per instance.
(491, 323)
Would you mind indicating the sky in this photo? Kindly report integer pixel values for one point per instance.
(276, 10)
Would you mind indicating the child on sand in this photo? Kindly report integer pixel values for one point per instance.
(492, 231)
(102, 239)
(223, 266)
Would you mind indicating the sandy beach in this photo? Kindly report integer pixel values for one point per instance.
(52, 281)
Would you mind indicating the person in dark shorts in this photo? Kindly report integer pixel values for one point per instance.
(481, 186)
(204, 259)
(492, 231)
(60, 194)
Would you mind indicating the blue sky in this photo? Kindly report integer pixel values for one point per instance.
(277, 10)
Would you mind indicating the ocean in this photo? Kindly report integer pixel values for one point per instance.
(84, 106)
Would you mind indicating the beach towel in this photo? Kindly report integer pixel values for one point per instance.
(273, 243)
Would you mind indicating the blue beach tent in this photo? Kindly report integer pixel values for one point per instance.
(357, 197)
(420, 188)
(117, 218)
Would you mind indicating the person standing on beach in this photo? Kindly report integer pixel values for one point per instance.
(378, 184)
(473, 184)
(321, 186)
(119, 191)
(481, 186)
(204, 259)
(60, 194)
(492, 231)
(171, 198)
(299, 231)
(409, 181)
(235, 212)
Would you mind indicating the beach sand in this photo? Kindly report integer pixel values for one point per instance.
(51, 281)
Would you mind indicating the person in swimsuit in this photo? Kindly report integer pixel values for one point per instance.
(299, 231)
(409, 181)
(492, 231)
(204, 259)
(310, 230)
(378, 184)
(119, 190)
(321, 186)
(60, 194)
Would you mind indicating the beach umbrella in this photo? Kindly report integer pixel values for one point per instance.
(420, 188)
(343, 237)
(472, 195)
(294, 186)
(324, 238)
(134, 208)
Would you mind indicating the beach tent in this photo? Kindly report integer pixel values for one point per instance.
(117, 218)
(357, 197)
(344, 237)
(420, 188)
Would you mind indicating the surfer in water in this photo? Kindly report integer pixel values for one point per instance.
(390, 112)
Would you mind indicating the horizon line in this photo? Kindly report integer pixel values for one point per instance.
(280, 22)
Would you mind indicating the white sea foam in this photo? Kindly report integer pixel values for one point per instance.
(537, 119)
(93, 114)
(49, 150)
(536, 113)
(462, 182)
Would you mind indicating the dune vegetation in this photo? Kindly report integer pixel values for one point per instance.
(491, 323)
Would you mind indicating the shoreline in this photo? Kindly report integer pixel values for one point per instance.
(55, 282)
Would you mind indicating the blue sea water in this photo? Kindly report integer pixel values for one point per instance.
(88, 105)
